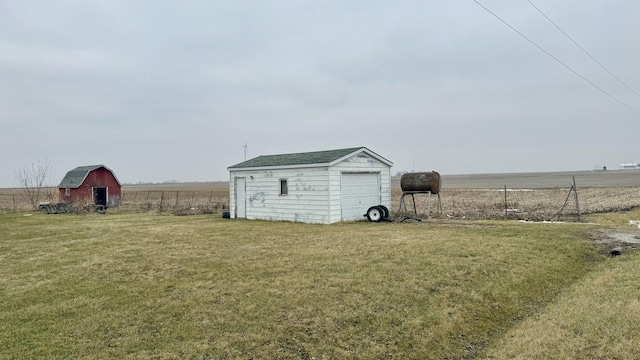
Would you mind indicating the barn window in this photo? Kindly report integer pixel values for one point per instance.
(67, 192)
(284, 190)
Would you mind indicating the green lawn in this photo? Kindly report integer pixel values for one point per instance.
(149, 286)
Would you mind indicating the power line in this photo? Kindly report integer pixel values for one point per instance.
(557, 60)
(583, 50)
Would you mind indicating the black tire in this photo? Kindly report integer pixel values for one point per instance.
(385, 211)
(375, 214)
(226, 215)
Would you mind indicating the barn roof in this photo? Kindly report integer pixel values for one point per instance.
(75, 177)
(326, 157)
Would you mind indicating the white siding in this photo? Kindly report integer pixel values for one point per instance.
(306, 201)
(232, 195)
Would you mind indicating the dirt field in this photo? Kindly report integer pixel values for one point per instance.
(529, 196)
(544, 180)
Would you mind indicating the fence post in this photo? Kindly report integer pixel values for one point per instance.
(177, 195)
(161, 200)
(575, 189)
(506, 204)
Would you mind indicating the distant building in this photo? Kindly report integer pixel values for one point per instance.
(315, 187)
(630, 166)
(95, 183)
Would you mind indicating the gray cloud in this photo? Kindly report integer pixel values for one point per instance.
(159, 90)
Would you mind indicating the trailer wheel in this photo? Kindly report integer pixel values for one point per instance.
(385, 211)
(374, 214)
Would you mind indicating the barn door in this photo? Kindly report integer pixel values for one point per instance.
(359, 191)
(100, 196)
(241, 198)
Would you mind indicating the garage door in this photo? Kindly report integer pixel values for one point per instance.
(359, 191)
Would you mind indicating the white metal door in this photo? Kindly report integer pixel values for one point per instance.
(241, 202)
(359, 191)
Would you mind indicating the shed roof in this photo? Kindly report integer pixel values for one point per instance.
(326, 157)
(75, 177)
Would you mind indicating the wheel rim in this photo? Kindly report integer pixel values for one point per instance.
(374, 214)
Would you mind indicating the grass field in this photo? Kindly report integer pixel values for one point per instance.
(149, 286)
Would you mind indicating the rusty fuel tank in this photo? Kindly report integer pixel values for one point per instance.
(423, 181)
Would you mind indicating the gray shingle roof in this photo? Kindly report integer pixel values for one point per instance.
(75, 177)
(316, 157)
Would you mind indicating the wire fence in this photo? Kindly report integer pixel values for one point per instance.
(174, 201)
(179, 202)
(551, 204)
(557, 204)
(13, 200)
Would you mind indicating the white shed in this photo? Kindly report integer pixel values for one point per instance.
(316, 187)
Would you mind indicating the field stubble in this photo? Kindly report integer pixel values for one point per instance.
(521, 204)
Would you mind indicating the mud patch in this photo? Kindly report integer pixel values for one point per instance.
(624, 238)
(619, 237)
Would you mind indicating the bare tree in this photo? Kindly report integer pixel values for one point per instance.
(33, 179)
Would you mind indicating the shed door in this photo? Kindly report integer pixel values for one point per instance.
(359, 191)
(241, 199)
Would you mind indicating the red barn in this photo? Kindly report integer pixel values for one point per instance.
(95, 183)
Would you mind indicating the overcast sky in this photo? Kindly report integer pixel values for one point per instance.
(172, 90)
